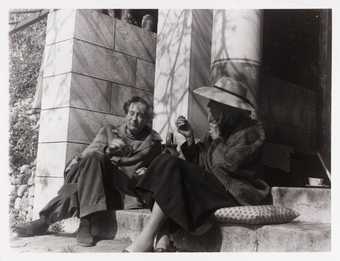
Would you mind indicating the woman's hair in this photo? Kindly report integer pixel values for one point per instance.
(137, 99)
(227, 117)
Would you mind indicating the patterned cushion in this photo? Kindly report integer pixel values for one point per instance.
(256, 215)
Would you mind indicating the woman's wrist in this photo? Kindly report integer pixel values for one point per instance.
(190, 140)
(116, 160)
(77, 157)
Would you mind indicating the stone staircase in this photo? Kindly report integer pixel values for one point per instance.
(311, 231)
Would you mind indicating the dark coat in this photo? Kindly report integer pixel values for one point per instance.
(235, 161)
(143, 150)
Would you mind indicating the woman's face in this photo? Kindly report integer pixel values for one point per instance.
(136, 117)
(213, 115)
(214, 112)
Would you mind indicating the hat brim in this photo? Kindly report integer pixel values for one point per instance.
(226, 98)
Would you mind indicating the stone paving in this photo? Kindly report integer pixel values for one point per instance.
(63, 243)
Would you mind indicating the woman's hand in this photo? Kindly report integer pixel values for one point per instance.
(184, 127)
(214, 131)
(141, 171)
(115, 160)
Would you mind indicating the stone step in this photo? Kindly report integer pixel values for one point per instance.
(63, 243)
(311, 231)
(313, 204)
(296, 236)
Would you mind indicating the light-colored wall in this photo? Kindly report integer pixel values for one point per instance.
(182, 64)
(93, 63)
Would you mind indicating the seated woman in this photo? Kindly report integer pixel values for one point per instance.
(222, 171)
(107, 169)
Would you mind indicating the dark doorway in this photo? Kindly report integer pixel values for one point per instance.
(295, 91)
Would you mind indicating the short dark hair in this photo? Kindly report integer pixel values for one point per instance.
(136, 99)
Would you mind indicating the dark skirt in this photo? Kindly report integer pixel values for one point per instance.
(186, 193)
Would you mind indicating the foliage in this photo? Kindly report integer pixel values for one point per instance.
(25, 53)
(23, 134)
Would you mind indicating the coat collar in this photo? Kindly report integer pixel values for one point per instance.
(149, 140)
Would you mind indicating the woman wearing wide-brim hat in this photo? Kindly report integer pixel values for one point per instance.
(220, 171)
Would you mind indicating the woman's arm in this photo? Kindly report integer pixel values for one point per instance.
(190, 151)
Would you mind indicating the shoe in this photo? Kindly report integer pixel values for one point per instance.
(127, 251)
(84, 237)
(160, 250)
(34, 228)
(163, 249)
(169, 248)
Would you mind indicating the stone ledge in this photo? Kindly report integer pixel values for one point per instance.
(290, 237)
(297, 236)
(63, 243)
(313, 204)
(294, 236)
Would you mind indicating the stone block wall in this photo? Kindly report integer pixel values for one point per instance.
(93, 63)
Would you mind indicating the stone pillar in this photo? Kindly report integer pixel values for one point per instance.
(93, 63)
(182, 64)
(236, 47)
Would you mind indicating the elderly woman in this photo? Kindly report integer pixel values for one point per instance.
(221, 171)
(107, 169)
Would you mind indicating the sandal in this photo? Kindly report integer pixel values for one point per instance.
(170, 248)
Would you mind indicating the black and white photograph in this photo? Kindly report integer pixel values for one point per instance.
(169, 130)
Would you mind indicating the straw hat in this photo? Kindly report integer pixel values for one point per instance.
(228, 91)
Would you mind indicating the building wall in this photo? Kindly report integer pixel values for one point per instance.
(93, 64)
(182, 65)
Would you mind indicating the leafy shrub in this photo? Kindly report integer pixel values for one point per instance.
(25, 53)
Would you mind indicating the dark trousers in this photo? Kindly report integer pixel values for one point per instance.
(93, 184)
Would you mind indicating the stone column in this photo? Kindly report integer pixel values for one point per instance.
(182, 64)
(236, 47)
(93, 63)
